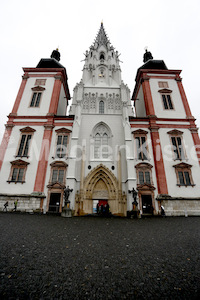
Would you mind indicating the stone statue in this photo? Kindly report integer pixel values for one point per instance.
(134, 212)
(134, 194)
(67, 192)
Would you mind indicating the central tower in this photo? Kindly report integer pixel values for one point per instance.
(101, 106)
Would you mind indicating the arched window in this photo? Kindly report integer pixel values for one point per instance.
(26, 136)
(102, 56)
(36, 96)
(58, 172)
(101, 142)
(62, 142)
(97, 145)
(105, 145)
(101, 107)
(184, 174)
(18, 171)
(144, 174)
(141, 144)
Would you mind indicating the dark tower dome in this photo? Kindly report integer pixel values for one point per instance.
(52, 62)
(147, 56)
(56, 54)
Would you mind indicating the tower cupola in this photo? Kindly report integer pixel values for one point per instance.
(147, 56)
(56, 54)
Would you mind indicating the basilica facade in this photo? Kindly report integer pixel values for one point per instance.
(107, 145)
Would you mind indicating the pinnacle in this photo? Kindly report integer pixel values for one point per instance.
(101, 38)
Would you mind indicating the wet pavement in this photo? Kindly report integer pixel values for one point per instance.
(49, 257)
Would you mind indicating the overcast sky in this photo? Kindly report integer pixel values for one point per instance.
(30, 30)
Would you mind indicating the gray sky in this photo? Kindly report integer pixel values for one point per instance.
(30, 30)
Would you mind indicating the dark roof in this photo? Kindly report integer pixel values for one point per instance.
(154, 64)
(49, 63)
(151, 64)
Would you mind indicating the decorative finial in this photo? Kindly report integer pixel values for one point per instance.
(102, 22)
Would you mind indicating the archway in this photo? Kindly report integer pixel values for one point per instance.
(101, 183)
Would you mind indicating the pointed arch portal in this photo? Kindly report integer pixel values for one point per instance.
(101, 184)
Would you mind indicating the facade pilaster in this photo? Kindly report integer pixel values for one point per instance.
(5, 141)
(196, 140)
(19, 95)
(148, 100)
(158, 159)
(55, 95)
(183, 97)
(43, 159)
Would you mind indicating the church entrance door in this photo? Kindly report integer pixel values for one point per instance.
(100, 185)
(54, 203)
(147, 207)
(98, 205)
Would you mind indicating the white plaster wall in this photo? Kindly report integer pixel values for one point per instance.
(34, 151)
(169, 162)
(62, 104)
(24, 107)
(139, 104)
(88, 122)
(178, 111)
(52, 157)
(150, 160)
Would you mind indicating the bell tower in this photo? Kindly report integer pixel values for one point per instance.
(101, 66)
(101, 80)
(101, 107)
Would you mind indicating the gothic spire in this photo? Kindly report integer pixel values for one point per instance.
(101, 38)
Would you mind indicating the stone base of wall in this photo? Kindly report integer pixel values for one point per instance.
(181, 206)
(26, 203)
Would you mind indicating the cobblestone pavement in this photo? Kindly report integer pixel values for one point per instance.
(49, 257)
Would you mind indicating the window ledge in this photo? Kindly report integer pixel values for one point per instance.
(143, 159)
(180, 159)
(21, 156)
(186, 185)
(12, 181)
(64, 157)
